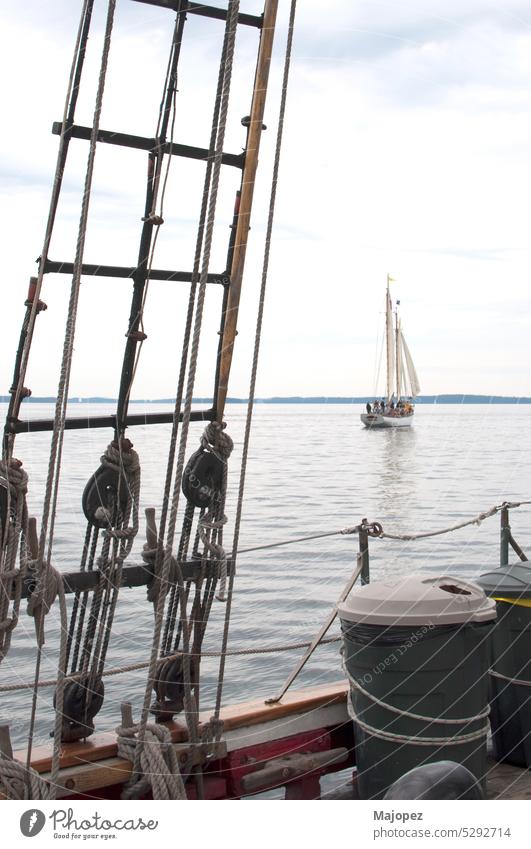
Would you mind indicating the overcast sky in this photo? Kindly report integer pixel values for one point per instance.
(407, 150)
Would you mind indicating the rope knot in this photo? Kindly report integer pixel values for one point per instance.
(217, 440)
(121, 456)
(14, 475)
(151, 751)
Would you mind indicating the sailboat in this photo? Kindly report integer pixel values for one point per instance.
(402, 384)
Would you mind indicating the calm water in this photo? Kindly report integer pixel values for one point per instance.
(312, 468)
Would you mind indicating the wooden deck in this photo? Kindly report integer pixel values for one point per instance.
(89, 766)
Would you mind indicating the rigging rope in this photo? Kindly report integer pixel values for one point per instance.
(68, 117)
(157, 219)
(52, 481)
(11, 468)
(86, 697)
(7, 688)
(135, 667)
(477, 520)
(256, 352)
(14, 535)
(189, 701)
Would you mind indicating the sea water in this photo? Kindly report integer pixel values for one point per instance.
(312, 468)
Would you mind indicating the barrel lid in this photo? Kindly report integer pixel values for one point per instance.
(421, 599)
(509, 581)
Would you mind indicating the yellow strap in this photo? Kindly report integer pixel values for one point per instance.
(520, 602)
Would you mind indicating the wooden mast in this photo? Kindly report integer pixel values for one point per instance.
(387, 341)
(247, 190)
(397, 354)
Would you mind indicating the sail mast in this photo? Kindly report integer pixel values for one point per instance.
(390, 342)
(256, 126)
(397, 353)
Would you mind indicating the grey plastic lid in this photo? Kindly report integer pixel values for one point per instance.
(510, 581)
(421, 599)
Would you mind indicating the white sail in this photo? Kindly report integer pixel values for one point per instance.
(414, 384)
(390, 347)
(400, 373)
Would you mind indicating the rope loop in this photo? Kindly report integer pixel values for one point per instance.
(14, 475)
(430, 719)
(19, 783)
(521, 682)
(216, 440)
(123, 459)
(121, 456)
(415, 739)
(159, 771)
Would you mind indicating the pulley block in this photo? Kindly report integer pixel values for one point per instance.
(103, 493)
(203, 478)
(169, 689)
(80, 706)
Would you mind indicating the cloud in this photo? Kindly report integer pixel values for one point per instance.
(406, 149)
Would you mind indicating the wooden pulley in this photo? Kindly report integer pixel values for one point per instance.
(79, 709)
(169, 689)
(202, 478)
(100, 496)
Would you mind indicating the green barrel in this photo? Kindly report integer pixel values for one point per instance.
(416, 652)
(510, 675)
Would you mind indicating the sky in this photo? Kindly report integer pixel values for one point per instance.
(407, 151)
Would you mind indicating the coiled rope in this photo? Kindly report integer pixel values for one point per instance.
(159, 772)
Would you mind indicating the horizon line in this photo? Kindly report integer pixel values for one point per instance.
(442, 397)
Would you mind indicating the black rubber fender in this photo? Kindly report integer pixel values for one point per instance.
(441, 780)
(202, 478)
(102, 491)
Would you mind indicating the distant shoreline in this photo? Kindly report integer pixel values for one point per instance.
(295, 399)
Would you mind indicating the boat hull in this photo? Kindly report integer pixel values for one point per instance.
(377, 420)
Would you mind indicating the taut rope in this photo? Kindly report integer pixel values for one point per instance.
(256, 352)
(189, 702)
(52, 482)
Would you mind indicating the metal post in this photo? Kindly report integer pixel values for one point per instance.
(505, 536)
(364, 553)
